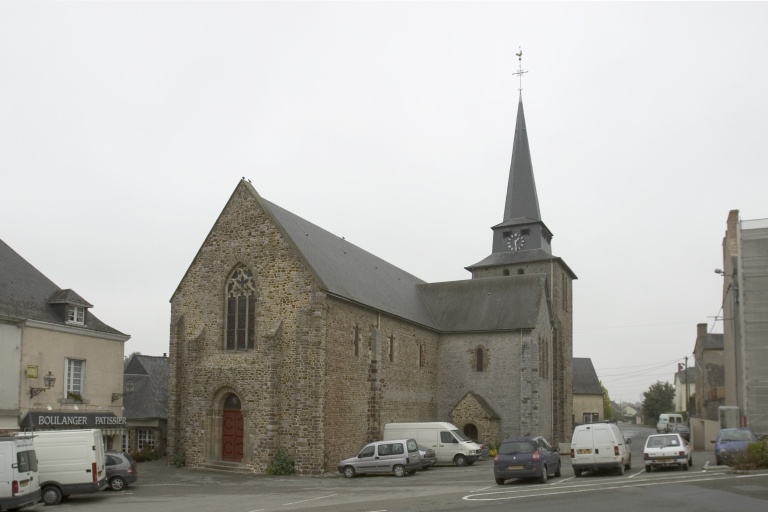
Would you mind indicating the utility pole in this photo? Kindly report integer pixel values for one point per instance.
(687, 391)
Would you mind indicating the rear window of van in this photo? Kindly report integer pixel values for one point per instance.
(27, 461)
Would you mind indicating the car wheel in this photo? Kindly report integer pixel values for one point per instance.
(543, 474)
(117, 484)
(685, 466)
(460, 460)
(499, 481)
(51, 496)
(628, 466)
(557, 472)
(648, 469)
(576, 472)
(620, 470)
(398, 470)
(690, 461)
(349, 472)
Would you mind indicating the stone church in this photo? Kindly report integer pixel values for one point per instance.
(287, 337)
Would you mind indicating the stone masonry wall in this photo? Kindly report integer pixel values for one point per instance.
(367, 390)
(561, 297)
(280, 383)
(511, 383)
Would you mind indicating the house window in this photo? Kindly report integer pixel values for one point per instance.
(357, 341)
(479, 360)
(241, 310)
(146, 440)
(75, 314)
(421, 355)
(591, 417)
(75, 377)
(124, 443)
(391, 348)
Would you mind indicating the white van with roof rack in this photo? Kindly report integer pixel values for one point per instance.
(19, 484)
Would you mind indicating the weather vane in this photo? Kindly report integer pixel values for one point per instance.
(520, 71)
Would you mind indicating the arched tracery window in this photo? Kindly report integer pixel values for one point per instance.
(241, 310)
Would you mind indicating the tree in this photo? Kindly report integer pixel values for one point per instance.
(607, 409)
(659, 398)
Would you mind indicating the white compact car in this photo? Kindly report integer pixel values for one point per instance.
(667, 450)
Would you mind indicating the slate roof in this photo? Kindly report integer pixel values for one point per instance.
(487, 304)
(711, 341)
(509, 258)
(149, 377)
(522, 201)
(349, 272)
(585, 381)
(26, 294)
(686, 375)
(345, 270)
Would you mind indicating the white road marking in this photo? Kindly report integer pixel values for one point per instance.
(310, 499)
(590, 488)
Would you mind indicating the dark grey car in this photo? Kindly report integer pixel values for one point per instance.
(527, 457)
(121, 470)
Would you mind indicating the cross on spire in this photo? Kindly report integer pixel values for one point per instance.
(519, 73)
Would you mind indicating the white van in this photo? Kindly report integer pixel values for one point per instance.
(449, 444)
(69, 462)
(667, 421)
(19, 484)
(597, 446)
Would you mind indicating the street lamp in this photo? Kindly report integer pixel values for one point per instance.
(49, 380)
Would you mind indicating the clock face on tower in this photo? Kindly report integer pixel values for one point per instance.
(515, 241)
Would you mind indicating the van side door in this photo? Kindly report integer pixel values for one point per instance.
(449, 446)
(384, 456)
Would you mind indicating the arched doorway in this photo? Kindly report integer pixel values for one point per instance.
(232, 430)
(470, 431)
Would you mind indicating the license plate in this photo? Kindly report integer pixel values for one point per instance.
(584, 451)
(513, 468)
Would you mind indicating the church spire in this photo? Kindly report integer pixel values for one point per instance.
(521, 228)
(522, 201)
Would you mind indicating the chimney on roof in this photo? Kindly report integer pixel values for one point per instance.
(701, 329)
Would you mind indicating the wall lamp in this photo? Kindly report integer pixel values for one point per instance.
(127, 391)
(49, 381)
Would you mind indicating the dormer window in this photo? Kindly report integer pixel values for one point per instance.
(75, 314)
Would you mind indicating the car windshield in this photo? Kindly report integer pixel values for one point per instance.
(514, 447)
(460, 436)
(736, 435)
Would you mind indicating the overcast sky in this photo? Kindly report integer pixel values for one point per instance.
(125, 127)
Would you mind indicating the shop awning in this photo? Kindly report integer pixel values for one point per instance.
(48, 420)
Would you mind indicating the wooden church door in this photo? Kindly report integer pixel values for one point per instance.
(232, 430)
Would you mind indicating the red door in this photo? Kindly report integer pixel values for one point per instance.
(232, 436)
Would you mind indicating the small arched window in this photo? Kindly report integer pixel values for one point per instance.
(479, 359)
(241, 310)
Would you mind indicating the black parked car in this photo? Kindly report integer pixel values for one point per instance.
(683, 430)
(121, 470)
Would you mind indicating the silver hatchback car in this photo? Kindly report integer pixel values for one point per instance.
(400, 456)
(121, 470)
